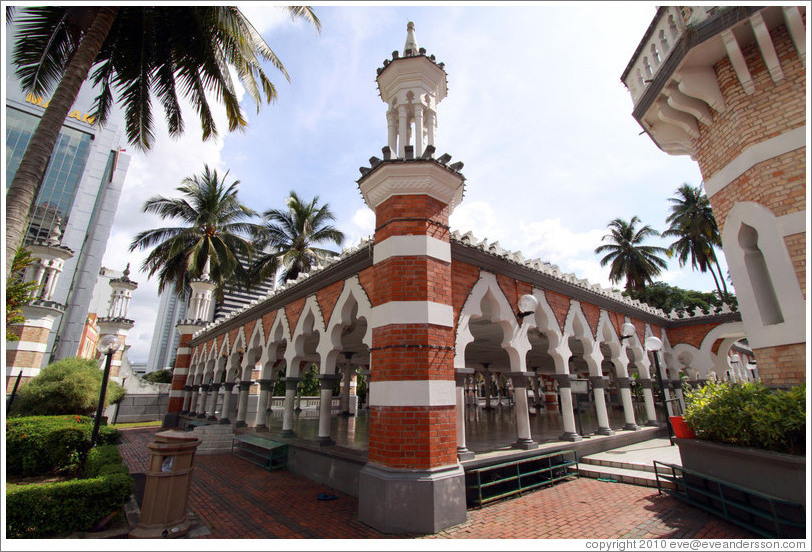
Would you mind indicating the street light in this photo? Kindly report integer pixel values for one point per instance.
(653, 345)
(107, 345)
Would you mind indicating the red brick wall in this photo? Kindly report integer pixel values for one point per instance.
(293, 311)
(413, 437)
(463, 278)
(560, 305)
(267, 322)
(592, 315)
(404, 215)
(692, 335)
(327, 297)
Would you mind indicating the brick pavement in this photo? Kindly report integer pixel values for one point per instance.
(237, 499)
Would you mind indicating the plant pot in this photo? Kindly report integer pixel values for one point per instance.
(772, 473)
(681, 429)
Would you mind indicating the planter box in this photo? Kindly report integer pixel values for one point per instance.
(773, 473)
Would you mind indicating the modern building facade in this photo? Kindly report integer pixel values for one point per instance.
(727, 86)
(75, 206)
(165, 339)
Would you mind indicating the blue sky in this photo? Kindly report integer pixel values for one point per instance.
(535, 110)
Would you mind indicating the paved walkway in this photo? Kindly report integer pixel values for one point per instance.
(237, 499)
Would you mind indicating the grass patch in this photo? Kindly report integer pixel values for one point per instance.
(128, 425)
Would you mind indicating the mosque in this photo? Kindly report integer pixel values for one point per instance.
(472, 352)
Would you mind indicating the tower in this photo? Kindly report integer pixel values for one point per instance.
(727, 86)
(116, 322)
(413, 481)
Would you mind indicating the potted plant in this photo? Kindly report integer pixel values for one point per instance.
(749, 435)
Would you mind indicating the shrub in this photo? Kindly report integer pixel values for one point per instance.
(57, 509)
(103, 460)
(39, 445)
(159, 376)
(749, 414)
(68, 386)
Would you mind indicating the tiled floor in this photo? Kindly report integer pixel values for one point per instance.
(237, 499)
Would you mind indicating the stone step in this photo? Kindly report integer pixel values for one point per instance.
(622, 475)
(615, 464)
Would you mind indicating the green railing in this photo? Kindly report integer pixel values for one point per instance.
(760, 513)
(489, 483)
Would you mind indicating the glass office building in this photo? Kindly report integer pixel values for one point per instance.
(79, 195)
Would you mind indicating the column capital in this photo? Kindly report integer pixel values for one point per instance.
(597, 382)
(229, 386)
(265, 384)
(245, 385)
(645, 383)
(291, 383)
(188, 387)
(563, 380)
(519, 379)
(327, 381)
(623, 383)
(216, 386)
(460, 375)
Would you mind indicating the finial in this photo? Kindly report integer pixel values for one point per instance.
(127, 271)
(410, 48)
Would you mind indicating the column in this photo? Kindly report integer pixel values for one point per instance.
(599, 396)
(287, 415)
(431, 124)
(201, 402)
(214, 396)
(460, 378)
(242, 405)
(648, 398)
(403, 128)
(392, 128)
(567, 413)
(187, 397)
(326, 383)
(347, 372)
(418, 129)
(487, 379)
(180, 375)
(624, 385)
(677, 386)
(519, 381)
(534, 381)
(193, 401)
(265, 387)
(228, 387)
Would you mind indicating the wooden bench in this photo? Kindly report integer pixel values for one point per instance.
(268, 454)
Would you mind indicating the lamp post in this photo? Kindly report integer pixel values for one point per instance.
(107, 345)
(653, 345)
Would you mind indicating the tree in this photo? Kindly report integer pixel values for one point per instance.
(292, 236)
(631, 260)
(693, 224)
(18, 292)
(211, 237)
(67, 386)
(671, 298)
(159, 376)
(141, 52)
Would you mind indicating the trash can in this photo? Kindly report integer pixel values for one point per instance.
(166, 493)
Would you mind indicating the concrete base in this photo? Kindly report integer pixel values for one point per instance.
(411, 501)
(161, 531)
(572, 437)
(526, 444)
(240, 424)
(225, 421)
(464, 454)
(653, 423)
(287, 433)
(170, 420)
(326, 442)
(604, 431)
(631, 427)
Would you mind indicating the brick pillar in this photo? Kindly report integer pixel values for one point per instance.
(413, 482)
(180, 373)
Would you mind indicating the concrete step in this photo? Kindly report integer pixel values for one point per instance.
(649, 467)
(621, 475)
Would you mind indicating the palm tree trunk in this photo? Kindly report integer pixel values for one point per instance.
(23, 190)
(716, 281)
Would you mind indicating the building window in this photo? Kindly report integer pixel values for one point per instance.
(65, 168)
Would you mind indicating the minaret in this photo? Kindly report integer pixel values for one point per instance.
(413, 481)
(200, 312)
(24, 357)
(116, 322)
(412, 85)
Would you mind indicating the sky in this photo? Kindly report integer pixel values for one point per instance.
(535, 110)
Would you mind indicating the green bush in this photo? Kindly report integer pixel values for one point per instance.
(103, 460)
(68, 386)
(58, 509)
(38, 445)
(159, 376)
(749, 414)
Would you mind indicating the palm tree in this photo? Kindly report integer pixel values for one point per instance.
(141, 51)
(631, 260)
(292, 236)
(693, 224)
(213, 225)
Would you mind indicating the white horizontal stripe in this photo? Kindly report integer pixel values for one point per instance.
(26, 346)
(27, 372)
(793, 223)
(413, 393)
(403, 246)
(34, 321)
(412, 312)
(183, 350)
(180, 371)
(789, 141)
(176, 393)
